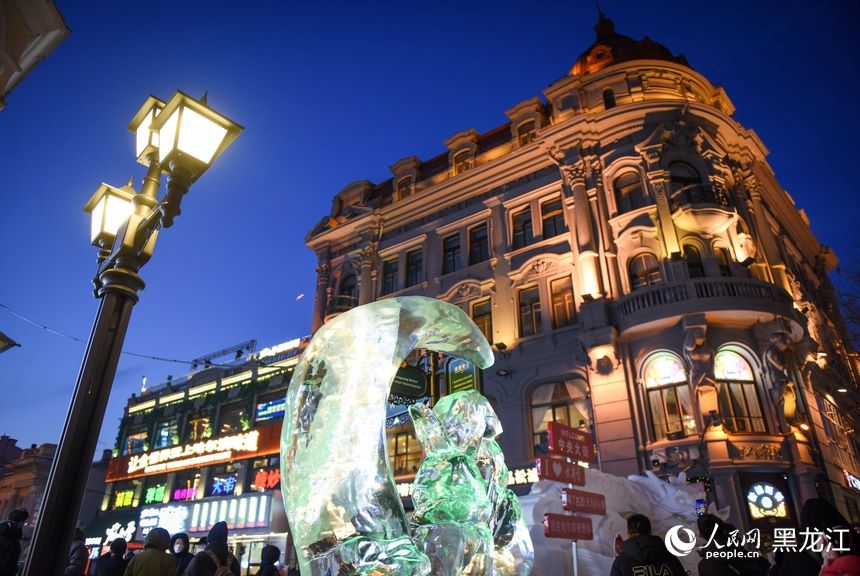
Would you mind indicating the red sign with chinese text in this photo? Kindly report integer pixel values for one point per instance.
(570, 442)
(570, 527)
(584, 502)
(560, 471)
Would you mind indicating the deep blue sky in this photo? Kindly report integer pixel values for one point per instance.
(330, 93)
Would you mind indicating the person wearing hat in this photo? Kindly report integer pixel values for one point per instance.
(10, 541)
(179, 547)
(215, 556)
(269, 557)
(78, 555)
(154, 560)
(113, 563)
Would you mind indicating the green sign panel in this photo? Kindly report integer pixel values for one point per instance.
(462, 375)
(410, 382)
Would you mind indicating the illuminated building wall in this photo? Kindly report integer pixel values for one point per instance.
(624, 244)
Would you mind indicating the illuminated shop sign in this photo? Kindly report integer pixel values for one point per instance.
(222, 485)
(266, 479)
(184, 493)
(123, 498)
(196, 454)
(271, 409)
(246, 511)
(112, 532)
(852, 480)
(154, 494)
(275, 350)
(517, 477)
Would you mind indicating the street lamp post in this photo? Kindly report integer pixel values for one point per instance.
(180, 138)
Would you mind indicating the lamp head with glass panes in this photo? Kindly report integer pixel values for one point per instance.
(110, 207)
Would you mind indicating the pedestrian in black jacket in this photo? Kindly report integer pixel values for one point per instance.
(643, 553)
(181, 550)
(268, 557)
(113, 563)
(216, 554)
(10, 541)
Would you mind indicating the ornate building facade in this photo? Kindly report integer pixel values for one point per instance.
(628, 250)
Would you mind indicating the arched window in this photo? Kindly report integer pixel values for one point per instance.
(566, 402)
(462, 161)
(686, 185)
(608, 99)
(739, 403)
(694, 261)
(526, 133)
(348, 286)
(629, 194)
(669, 400)
(724, 259)
(644, 270)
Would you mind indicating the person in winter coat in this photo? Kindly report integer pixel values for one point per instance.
(268, 557)
(643, 553)
(817, 515)
(717, 535)
(215, 554)
(154, 560)
(10, 541)
(180, 548)
(77, 555)
(113, 563)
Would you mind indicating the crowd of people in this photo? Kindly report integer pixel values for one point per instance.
(162, 555)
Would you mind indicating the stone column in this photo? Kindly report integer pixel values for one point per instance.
(659, 180)
(766, 238)
(321, 296)
(504, 305)
(368, 274)
(586, 242)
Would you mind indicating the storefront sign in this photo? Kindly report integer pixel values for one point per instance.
(566, 441)
(584, 502)
(123, 498)
(275, 350)
(222, 485)
(184, 493)
(853, 481)
(239, 512)
(103, 530)
(523, 476)
(266, 479)
(462, 375)
(570, 527)
(410, 382)
(560, 471)
(154, 494)
(171, 518)
(271, 409)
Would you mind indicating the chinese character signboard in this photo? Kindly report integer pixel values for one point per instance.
(570, 527)
(570, 442)
(584, 502)
(560, 471)
(462, 375)
(266, 479)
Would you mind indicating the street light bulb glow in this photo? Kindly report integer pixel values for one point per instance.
(167, 136)
(143, 133)
(199, 137)
(118, 210)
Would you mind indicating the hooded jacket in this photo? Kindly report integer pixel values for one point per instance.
(202, 564)
(154, 560)
(10, 547)
(77, 556)
(646, 554)
(268, 556)
(183, 559)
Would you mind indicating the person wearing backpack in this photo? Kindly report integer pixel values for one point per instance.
(215, 559)
(154, 560)
(718, 535)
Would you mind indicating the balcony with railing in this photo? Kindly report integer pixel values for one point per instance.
(740, 298)
(338, 305)
(699, 208)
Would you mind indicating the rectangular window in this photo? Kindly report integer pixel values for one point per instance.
(155, 488)
(450, 254)
(552, 218)
(136, 440)
(265, 474)
(479, 246)
(389, 276)
(271, 406)
(198, 427)
(125, 494)
(167, 433)
(462, 161)
(404, 451)
(222, 480)
(233, 418)
(530, 319)
(414, 268)
(522, 228)
(563, 313)
(482, 316)
(404, 187)
(185, 485)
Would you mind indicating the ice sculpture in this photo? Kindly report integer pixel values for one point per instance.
(466, 519)
(339, 494)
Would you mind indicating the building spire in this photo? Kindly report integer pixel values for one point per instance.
(604, 27)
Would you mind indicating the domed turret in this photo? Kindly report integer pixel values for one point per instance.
(612, 48)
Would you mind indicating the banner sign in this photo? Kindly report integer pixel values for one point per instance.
(570, 527)
(560, 471)
(566, 441)
(462, 375)
(584, 502)
(409, 382)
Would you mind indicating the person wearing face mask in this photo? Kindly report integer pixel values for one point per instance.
(10, 541)
(180, 548)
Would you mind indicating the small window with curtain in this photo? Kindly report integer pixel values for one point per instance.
(526, 133)
(739, 403)
(563, 311)
(414, 267)
(565, 402)
(670, 403)
(479, 245)
(695, 269)
(644, 271)
(462, 161)
(529, 306)
(552, 218)
(521, 224)
(482, 316)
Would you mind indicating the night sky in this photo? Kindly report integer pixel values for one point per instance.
(329, 94)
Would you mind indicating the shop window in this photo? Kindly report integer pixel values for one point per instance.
(529, 308)
(526, 133)
(389, 276)
(669, 400)
(198, 427)
(724, 259)
(125, 494)
(552, 218)
(155, 490)
(414, 267)
(561, 294)
(185, 485)
(765, 500)
(349, 287)
(450, 253)
(482, 316)
(462, 161)
(233, 418)
(270, 406)
(565, 402)
(167, 433)
(404, 451)
(644, 270)
(137, 440)
(404, 187)
(265, 474)
(222, 480)
(694, 262)
(608, 99)
(739, 402)
(479, 246)
(629, 194)
(521, 224)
